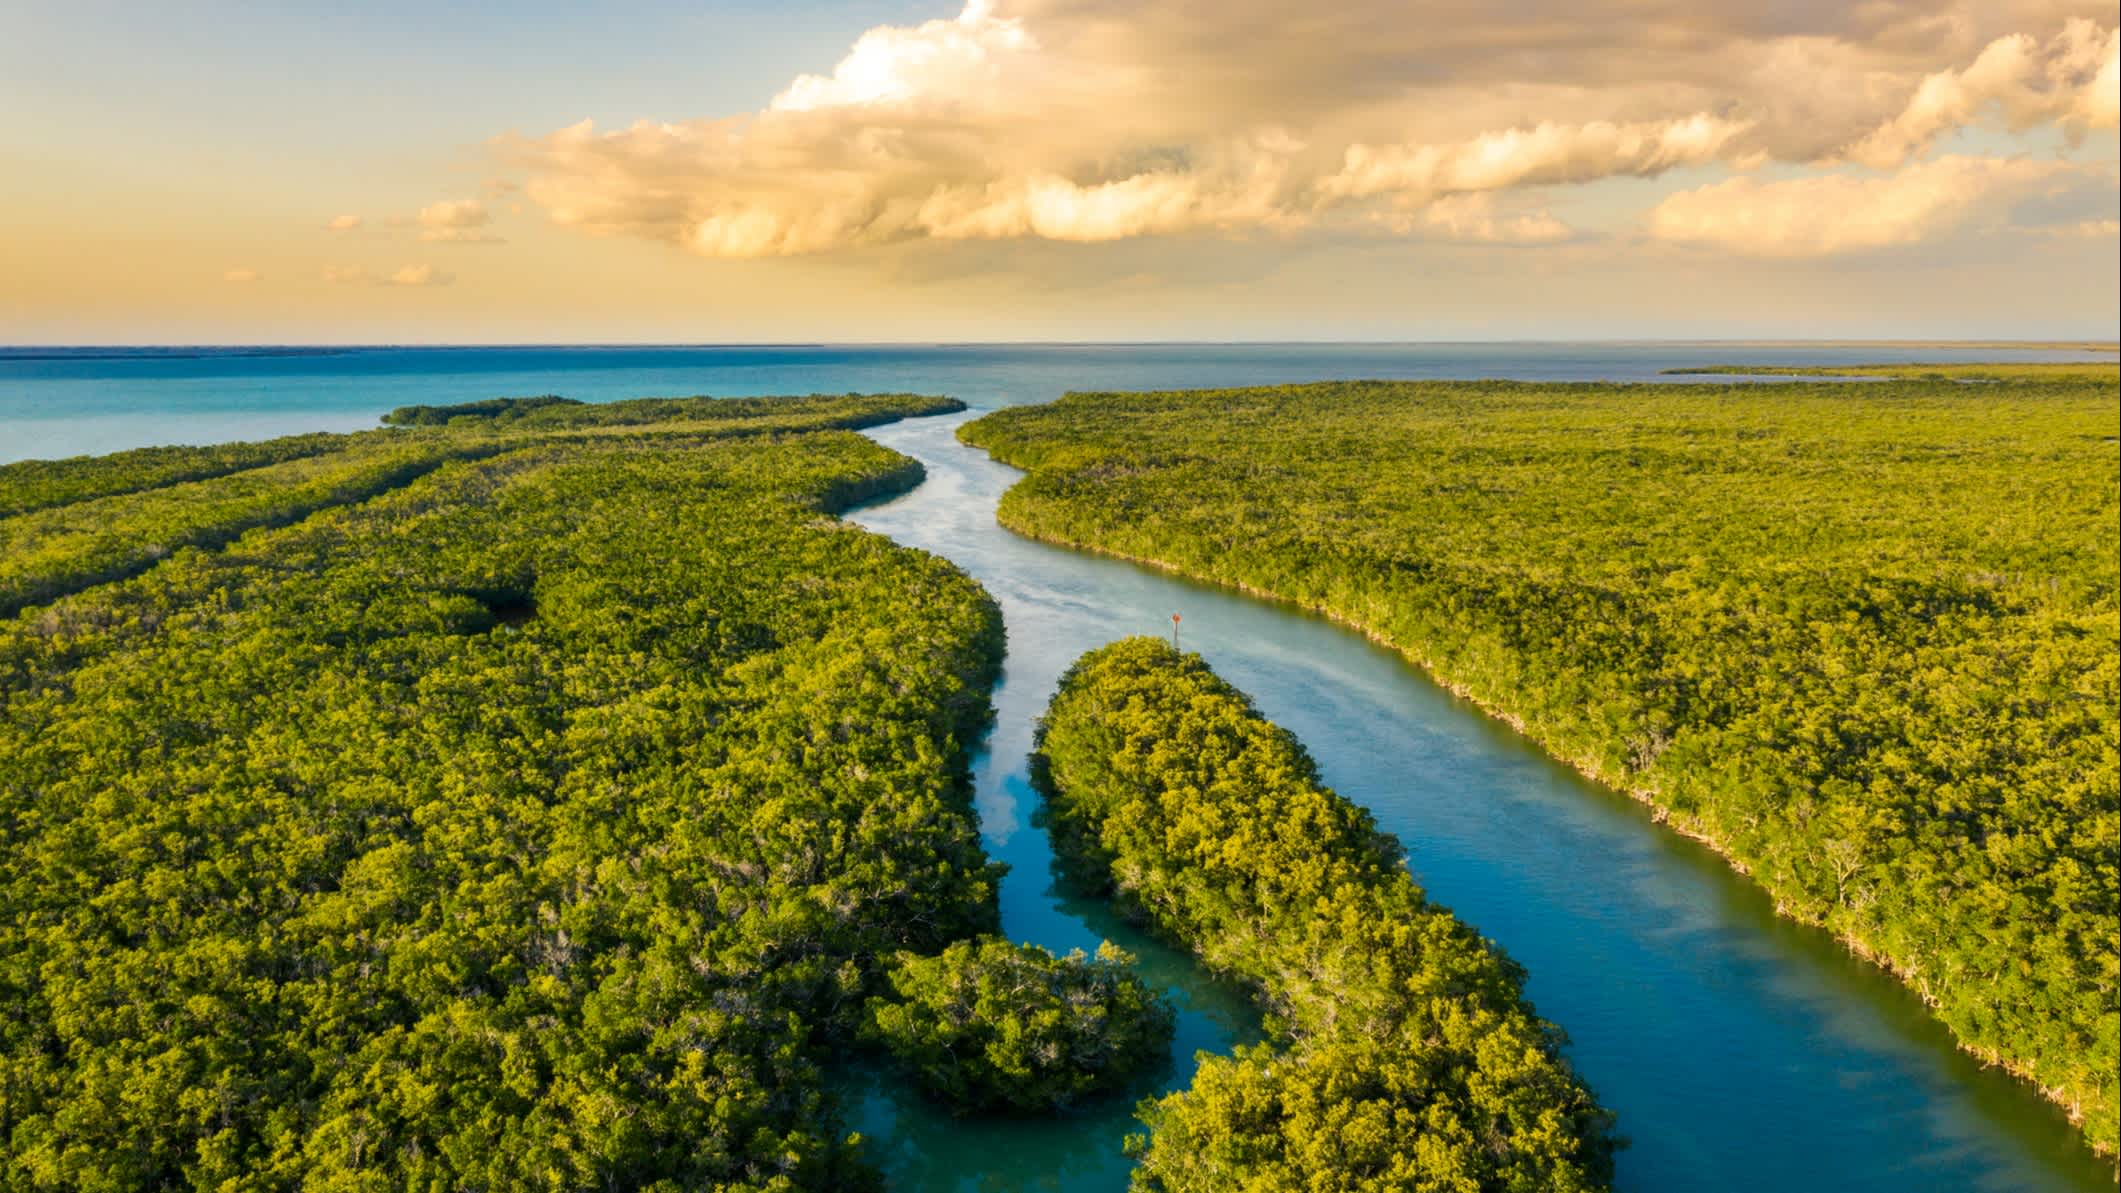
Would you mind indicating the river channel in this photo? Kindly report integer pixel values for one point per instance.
(1740, 1051)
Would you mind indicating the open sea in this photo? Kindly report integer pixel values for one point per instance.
(70, 401)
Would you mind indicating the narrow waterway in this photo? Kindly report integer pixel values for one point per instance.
(1741, 1052)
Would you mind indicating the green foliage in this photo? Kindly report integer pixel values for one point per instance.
(987, 1024)
(2107, 371)
(1409, 1058)
(848, 411)
(818, 411)
(1860, 635)
(36, 484)
(64, 548)
(494, 410)
(99, 519)
(536, 824)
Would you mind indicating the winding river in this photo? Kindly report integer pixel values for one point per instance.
(1741, 1051)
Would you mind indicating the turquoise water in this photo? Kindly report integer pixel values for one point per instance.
(1740, 1051)
(60, 402)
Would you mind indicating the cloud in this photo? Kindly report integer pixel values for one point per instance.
(1087, 121)
(404, 275)
(343, 223)
(889, 65)
(2099, 101)
(1546, 153)
(2070, 80)
(240, 276)
(456, 221)
(1841, 212)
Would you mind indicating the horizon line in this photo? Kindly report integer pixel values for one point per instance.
(2079, 344)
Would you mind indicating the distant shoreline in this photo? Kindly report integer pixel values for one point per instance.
(1969, 345)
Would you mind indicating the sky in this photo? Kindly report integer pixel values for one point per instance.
(205, 171)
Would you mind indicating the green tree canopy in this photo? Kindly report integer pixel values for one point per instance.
(989, 1024)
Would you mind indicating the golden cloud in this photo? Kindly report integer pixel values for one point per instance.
(1100, 120)
(1842, 212)
(2070, 80)
(456, 221)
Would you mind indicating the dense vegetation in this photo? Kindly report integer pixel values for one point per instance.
(990, 1024)
(498, 411)
(1862, 636)
(35, 484)
(534, 823)
(129, 510)
(1407, 1057)
(2107, 371)
(726, 415)
(63, 548)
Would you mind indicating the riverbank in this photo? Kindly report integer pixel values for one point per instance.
(1540, 551)
(1589, 768)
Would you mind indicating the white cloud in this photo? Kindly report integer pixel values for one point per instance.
(888, 65)
(1098, 120)
(1842, 212)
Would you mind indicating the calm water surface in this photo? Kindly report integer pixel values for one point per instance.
(1740, 1051)
(61, 402)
